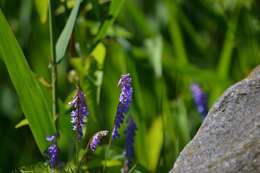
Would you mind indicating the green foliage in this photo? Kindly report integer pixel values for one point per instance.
(154, 52)
(39, 167)
(228, 46)
(33, 100)
(155, 142)
(165, 46)
(42, 9)
(22, 123)
(175, 32)
(114, 9)
(64, 37)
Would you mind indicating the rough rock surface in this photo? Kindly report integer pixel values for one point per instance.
(228, 141)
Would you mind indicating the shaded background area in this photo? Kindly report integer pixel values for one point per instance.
(166, 45)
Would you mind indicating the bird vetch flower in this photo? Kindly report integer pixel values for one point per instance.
(129, 146)
(52, 151)
(97, 138)
(124, 102)
(200, 99)
(79, 113)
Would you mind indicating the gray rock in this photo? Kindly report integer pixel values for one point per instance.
(228, 141)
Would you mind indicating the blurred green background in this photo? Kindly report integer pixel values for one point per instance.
(165, 45)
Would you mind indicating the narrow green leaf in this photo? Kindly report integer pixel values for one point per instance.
(196, 37)
(99, 54)
(111, 163)
(132, 169)
(22, 123)
(42, 9)
(176, 33)
(114, 9)
(154, 50)
(139, 20)
(183, 121)
(155, 141)
(33, 101)
(64, 37)
(228, 47)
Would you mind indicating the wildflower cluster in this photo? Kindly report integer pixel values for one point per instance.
(96, 139)
(200, 99)
(124, 101)
(129, 146)
(79, 114)
(78, 119)
(52, 151)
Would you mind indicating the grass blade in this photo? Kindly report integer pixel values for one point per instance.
(176, 33)
(154, 48)
(155, 142)
(64, 37)
(42, 9)
(114, 9)
(228, 47)
(22, 123)
(32, 99)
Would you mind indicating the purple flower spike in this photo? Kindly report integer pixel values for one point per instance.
(52, 151)
(129, 147)
(124, 101)
(79, 114)
(96, 139)
(200, 99)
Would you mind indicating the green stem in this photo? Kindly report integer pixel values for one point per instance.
(106, 153)
(161, 97)
(176, 33)
(77, 163)
(228, 46)
(84, 157)
(53, 62)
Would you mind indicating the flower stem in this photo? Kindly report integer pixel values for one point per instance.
(84, 156)
(53, 63)
(106, 154)
(77, 163)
